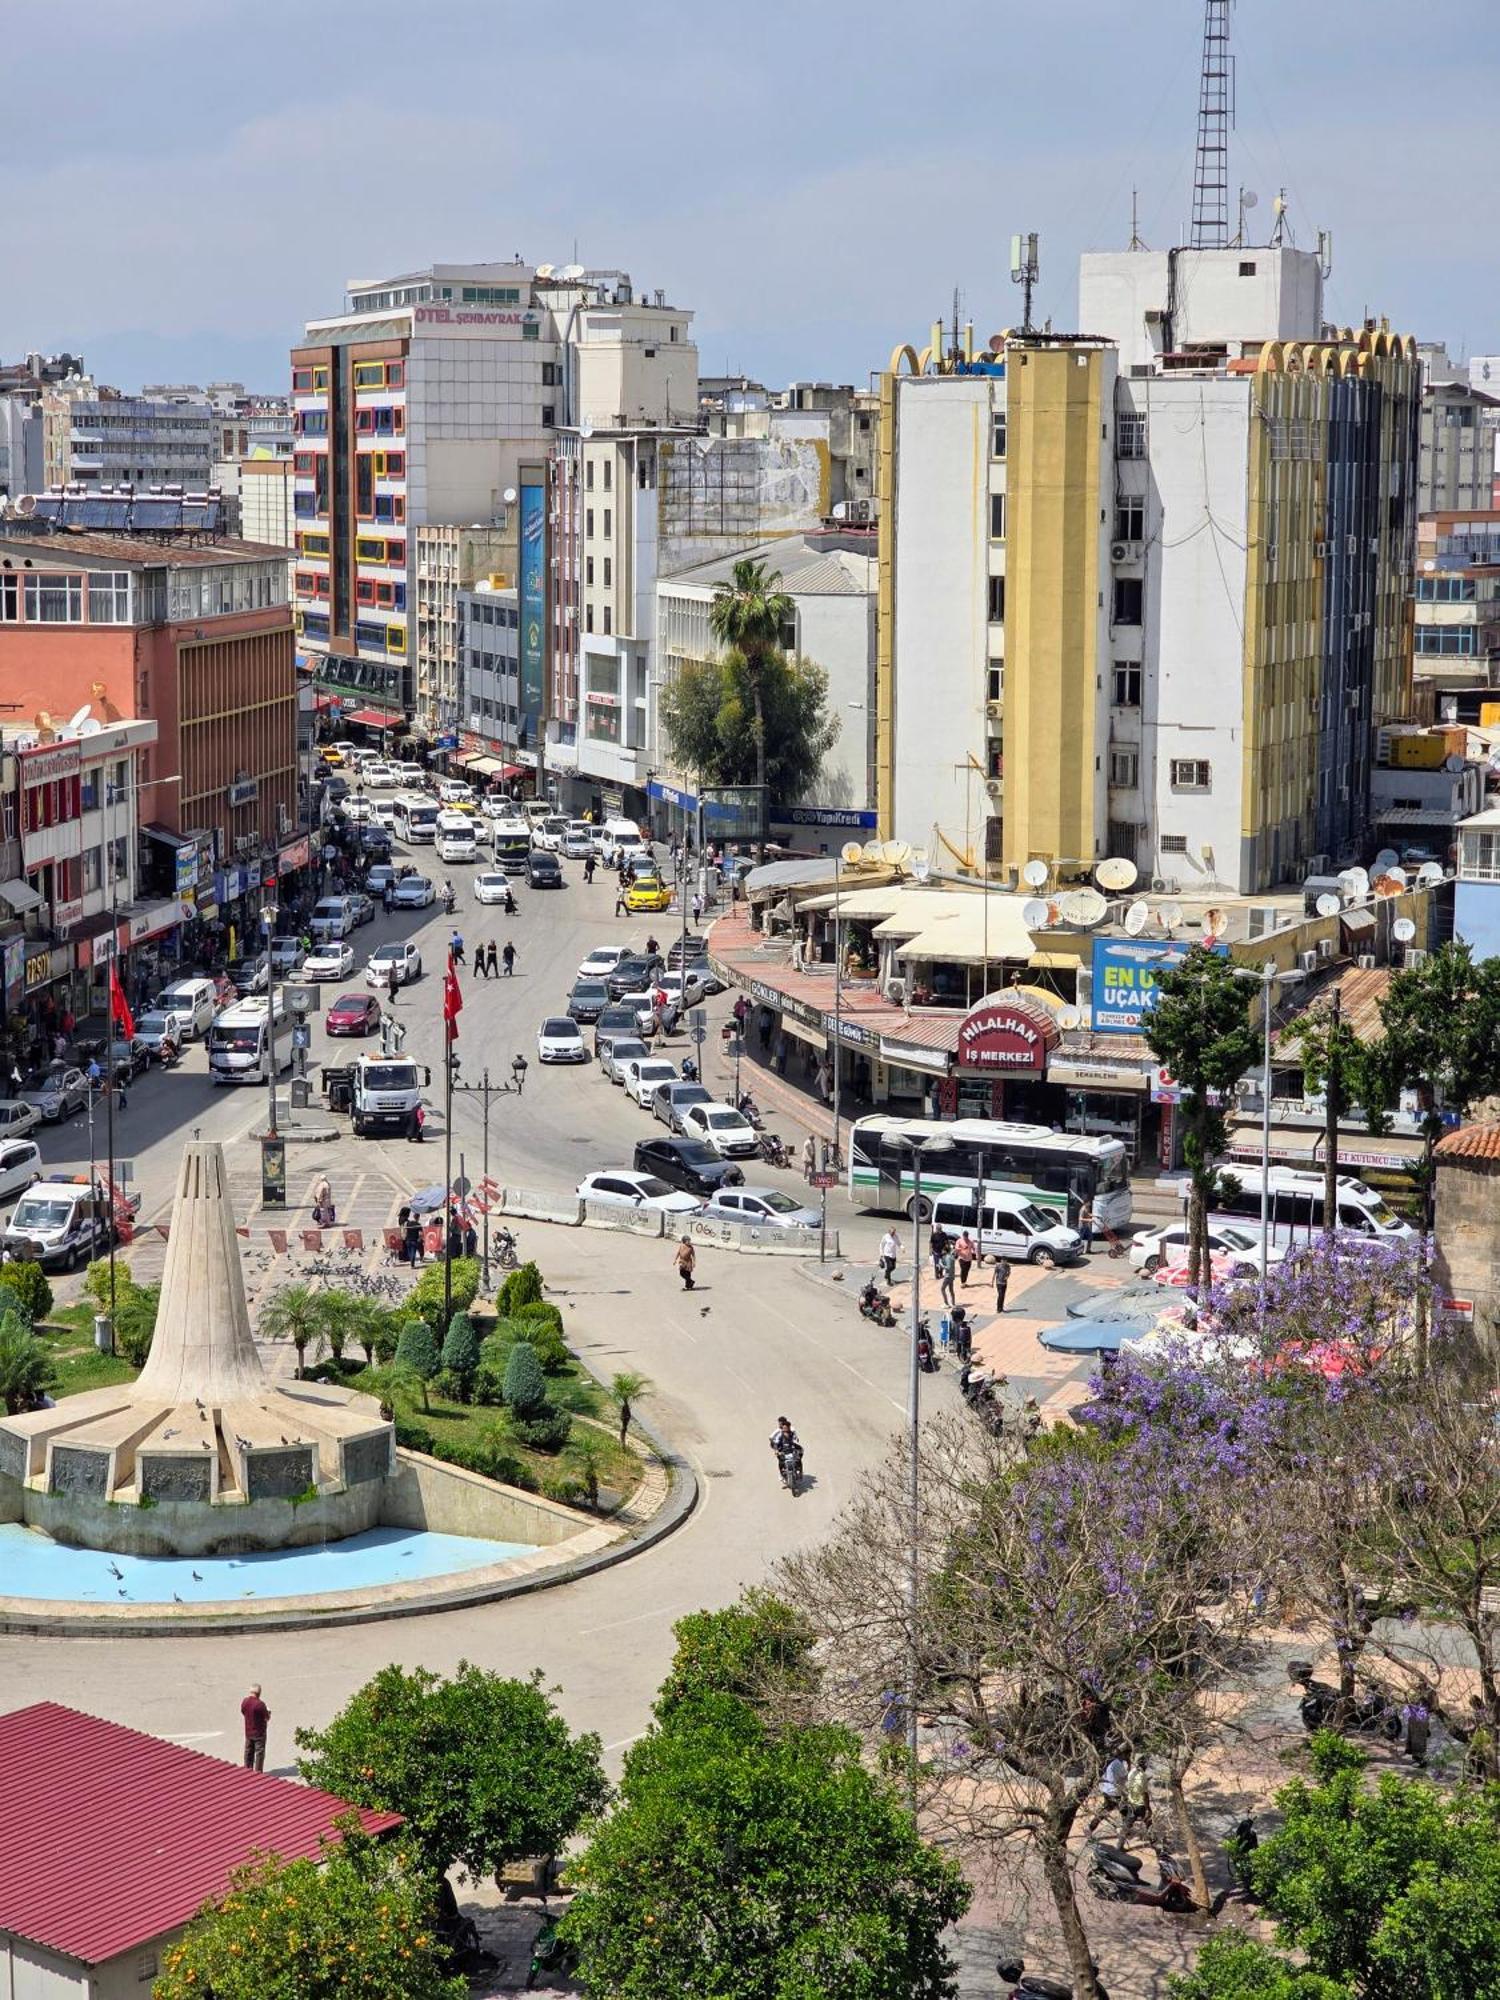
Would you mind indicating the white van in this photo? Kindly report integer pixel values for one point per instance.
(618, 837)
(456, 838)
(332, 918)
(1013, 1226)
(239, 1042)
(191, 1000)
(59, 1224)
(1295, 1206)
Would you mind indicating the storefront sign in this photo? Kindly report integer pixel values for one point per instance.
(449, 316)
(187, 869)
(64, 914)
(532, 603)
(15, 963)
(1125, 976)
(45, 966)
(243, 792)
(294, 854)
(49, 762)
(1165, 1088)
(1459, 1310)
(909, 1055)
(1007, 1035)
(670, 795)
(1098, 1076)
(849, 816)
(854, 1032)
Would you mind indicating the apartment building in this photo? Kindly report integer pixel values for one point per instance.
(1459, 438)
(1143, 590)
(489, 679)
(1456, 639)
(94, 437)
(450, 560)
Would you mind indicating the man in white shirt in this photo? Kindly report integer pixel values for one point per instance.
(1111, 1792)
(890, 1250)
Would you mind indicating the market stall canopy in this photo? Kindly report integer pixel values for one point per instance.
(964, 929)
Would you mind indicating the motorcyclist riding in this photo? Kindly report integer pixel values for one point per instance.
(788, 1449)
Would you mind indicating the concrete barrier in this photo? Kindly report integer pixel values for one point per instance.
(633, 1221)
(534, 1205)
(719, 1233)
(713, 1232)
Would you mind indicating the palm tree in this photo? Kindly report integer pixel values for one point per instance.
(585, 1458)
(625, 1389)
(746, 616)
(296, 1313)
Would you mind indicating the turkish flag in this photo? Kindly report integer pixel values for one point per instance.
(453, 1001)
(119, 1006)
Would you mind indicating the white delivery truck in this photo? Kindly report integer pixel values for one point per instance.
(386, 1090)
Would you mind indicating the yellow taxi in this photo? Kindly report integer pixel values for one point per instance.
(332, 753)
(648, 892)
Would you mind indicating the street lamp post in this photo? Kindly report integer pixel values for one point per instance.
(268, 924)
(938, 1142)
(838, 1001)
(1267, 979)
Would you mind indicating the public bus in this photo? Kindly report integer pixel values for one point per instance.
(1295, 1206)
(416, 818)
(239, 1042)
(1059, 1171)
(511, 842)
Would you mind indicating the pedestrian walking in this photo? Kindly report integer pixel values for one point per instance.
(809, 1158)
(961, 1334)
(323, 1203)
(697, 908)
(491, 964)
(965, 1251)
(1086, 1227)
(686, 1261)
(1137, 1800)
(418, 1121)
(890, 1250)
(393, 982)
(588, 868)
(1111, 1791)
(481, 969)
(388, 897)
(471, 1240)
(508, 957)
(620, 909)
(937, 1245)
(257, 1720)
(947, 1274)
(456, 948)
(411, 1241)
(1002, 1282)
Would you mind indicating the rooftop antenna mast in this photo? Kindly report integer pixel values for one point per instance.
(1215, 118)
(1025, 269)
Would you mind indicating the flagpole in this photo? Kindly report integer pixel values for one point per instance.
(452, 1005)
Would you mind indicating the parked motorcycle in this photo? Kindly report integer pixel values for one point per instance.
(504, 1251)
(773, 1152)
(926, 1358)
(689, 1070)
(550, 1955)
(875, 1305)
(1323, 1707)
(749, 1110)
(1024, 1985)
(1116, 1877)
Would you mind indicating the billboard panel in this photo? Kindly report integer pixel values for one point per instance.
(1125, 973)
(532, 599)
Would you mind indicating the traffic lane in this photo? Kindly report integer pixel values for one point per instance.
(724, 1362)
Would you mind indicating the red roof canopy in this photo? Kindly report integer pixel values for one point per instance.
(374, 718)
(109, 1838)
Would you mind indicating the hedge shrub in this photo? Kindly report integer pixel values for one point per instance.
(33, 1294)
(546, 1428)
(425, 1298)
(525, 1385)
(522, 1288)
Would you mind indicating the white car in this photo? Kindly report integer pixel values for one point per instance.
(578, 841)
(548, 833)
(643, 1073)
(17, 1117)
(618, 1051)
(380, 777)
(453, 791)
(450, 845)
(21, 1164)
(1167, 1248)
(412, 892)
(601, 963)
(382, 813)
(154, 1029)
(731, 1135)
(645, 1009)
(685, 988)
(766, 1207)
(401, 954)
(560, 1040)
(331, 960)
(58, 1091)
(626, 1188)
(493, 886)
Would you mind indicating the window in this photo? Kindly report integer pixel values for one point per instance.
(364, 590)
(301, 381)
(109, 597)
(997, 433)
(588, 617)
(304, 464)
(1480, 857)
(10, 600)
(1130, 436)
(608, 618)
(997, 600)
(609, 519)
(608, 470)
(389, 464)
(54, 600)
(588, 524)
(1191, 774)
(997, 517)
(588, 474)
(530, 329)
(364, 485)
(588, 571)
(1463, 639)
(395, 638)
(320, 377)
(395, 374)
(608, 572)
(1129, 597)
(549, 415)
(994, 681)
(1130, 520)
(369, 374)
(1247, 268)
(1174, 843)
(1127, 684)
(551, 375)
(1124, 768)
(1446, 590)
(311, 423)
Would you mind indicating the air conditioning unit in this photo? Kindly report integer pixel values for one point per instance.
(1308, 960)
(1326, 947)
(1366, 961)
(895, 992)
(995, 710)
(995, 787)
(1317, 864)
(1322, 549)
(1414, 956)
(1119, 552)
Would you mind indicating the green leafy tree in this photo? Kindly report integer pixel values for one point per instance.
(525, 1384)
(625, 1390)
(1393, 1891)
(417, 1352)
(135, 1322)
(522, 1287)
(26, 1370)
(585, 1463)
(744, 1865)
(426, 1297)
(746, 617)
(461, 1353)
(1236, 1967)
(544, 1339)
(708, 713)
(1200, 1030)
(356, 1924)
(483, 1768)
(294, 1312)
(1336, 1062)
(759, 1650)
(28, 1282)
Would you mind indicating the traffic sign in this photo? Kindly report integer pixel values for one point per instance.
(823, 1180)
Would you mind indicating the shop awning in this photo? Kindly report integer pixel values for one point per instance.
(20, 895)
(814, 1037)
(968, 935)
(375, 718)
(483, 764)
(322, 701)
(1416, 816)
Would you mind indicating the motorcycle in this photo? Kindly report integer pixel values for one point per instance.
(1026, 1985)
(926, 1358)
(875, 1305)
(550, 1955)
(773, 1152)
(1116, 1877)
(1323, 1707)
(689, 1070)
(505, 1251)
(750, 1112)
(790, 1464)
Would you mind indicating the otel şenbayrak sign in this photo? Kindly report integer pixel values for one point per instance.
(1011, 1036)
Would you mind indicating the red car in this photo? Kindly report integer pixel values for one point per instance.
(353, 1014)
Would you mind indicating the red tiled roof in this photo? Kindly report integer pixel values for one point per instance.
(109, 1838)
(741, 950)
(1470, 1142)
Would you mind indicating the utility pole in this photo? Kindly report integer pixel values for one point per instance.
(1334, 1094)
(1210, 230)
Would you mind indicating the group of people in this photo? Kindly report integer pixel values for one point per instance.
(953, 1258)
(462, 1238)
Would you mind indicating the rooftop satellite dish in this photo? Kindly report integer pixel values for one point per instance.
(1403, 930)
(1034, 914)
(1329, 906)
(1136, 918)
(897, 853)
(26, 506)
(546, 270)
(872, 852)
(509, 496)
(1361, 880)
(571, 272)
(1171, 916)
(1116, 873)
(1386, 858)
(851, 854)
(90, 727)
(1453, 763)
(76, 722)
(1085, 907)
(921, 867)
(1213, 922)
(585, 429)
(1069, 1018)
(1430, 871)
(1034, 874)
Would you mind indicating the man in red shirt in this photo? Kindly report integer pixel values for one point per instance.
(257, 1716)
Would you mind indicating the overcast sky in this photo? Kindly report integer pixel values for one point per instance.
(186, 181)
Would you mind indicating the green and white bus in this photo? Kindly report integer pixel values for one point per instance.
(1059, 1171)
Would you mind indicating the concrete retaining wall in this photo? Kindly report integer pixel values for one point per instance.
(10, 1500)
(634, 1221)
(534, 1205)
(448, 1500)
(188, 1529)
(717, 1232)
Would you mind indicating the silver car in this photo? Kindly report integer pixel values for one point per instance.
(670, 1100)
(616, 1052)
(765, 1207)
